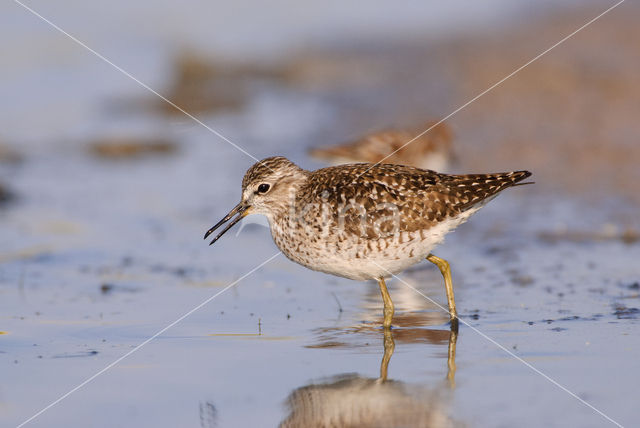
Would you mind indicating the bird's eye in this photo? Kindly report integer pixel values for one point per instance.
(263, 188)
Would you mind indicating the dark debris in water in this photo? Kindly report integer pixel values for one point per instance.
(593, 317)
(108, 288)
(208, 415)
(90, 353)
(179, 271)
(624, 313)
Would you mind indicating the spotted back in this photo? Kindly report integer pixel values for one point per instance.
(471, 189)
(367, 197)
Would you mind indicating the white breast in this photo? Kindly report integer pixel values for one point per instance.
(354, 259)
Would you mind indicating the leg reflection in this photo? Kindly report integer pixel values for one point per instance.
(389, 347)
(451, 358)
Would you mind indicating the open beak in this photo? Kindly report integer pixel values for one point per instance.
(240, 210)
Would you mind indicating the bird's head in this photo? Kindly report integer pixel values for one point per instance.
(267, 188)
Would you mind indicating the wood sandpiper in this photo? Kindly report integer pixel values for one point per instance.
(431, 150)
(364, 221)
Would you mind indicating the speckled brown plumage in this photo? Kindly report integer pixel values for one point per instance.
(424, 198)
(364, 221)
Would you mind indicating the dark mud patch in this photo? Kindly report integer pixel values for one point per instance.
(634, 286)
(6, 196)
(520, 279)
(123, 148)
(202, 84)
(608, 232)
(8, 155)
(328, 344)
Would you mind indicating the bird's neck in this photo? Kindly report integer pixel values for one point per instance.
(288, 196)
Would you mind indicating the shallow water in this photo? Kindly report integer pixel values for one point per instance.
(99, 255)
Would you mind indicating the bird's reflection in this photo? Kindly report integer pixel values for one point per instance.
(356, 401)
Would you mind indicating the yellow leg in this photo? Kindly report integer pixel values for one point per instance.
(388, 304)
(443, 265)
(389, 346)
